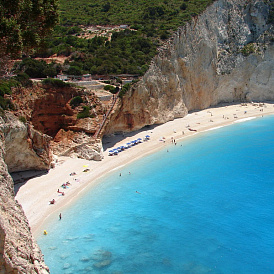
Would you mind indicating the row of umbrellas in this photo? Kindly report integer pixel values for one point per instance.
(115, 151)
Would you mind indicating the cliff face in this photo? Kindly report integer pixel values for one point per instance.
(224, 55)
(48, 110)
(18, 251)
(25, 147)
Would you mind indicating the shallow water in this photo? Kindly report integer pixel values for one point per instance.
(204, 206)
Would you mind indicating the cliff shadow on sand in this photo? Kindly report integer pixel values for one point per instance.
(20, 178)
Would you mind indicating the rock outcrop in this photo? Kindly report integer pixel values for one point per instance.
(224, 55)
(26, 148)
(18, 251)
(48, 110)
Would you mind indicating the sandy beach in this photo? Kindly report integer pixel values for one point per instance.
(36, 193)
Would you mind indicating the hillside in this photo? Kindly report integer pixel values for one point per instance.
(153, 15)
(127, 50)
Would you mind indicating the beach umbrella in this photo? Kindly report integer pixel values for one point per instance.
(147, 136)
(139, 139)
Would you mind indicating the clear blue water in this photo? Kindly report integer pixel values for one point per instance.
(207, 205)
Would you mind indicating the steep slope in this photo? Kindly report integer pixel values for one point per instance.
(18, 251)
(224, 55)
(25, 147)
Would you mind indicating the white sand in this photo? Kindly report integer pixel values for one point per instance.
(35, 195)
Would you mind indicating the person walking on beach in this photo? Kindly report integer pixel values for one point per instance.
(60, 216)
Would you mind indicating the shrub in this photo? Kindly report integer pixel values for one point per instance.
(6, 85)
(6, 104)
(124, 89)
(4, 88)
(76, 101)
(248, 49)
(33, 68)
(183, 6)
(110, 88)
(84, 113)
(37, 68)
(23, 78)
(55, 83)
(74, 70)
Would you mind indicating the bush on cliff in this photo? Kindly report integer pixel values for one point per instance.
(85, 113)
(76, 101)
(110, 88)
(6, 104)
(55, 83)
(124, 89)
(248, 49)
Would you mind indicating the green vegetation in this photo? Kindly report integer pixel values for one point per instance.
(85, 113)
(6, 89)
(111, 89)
(24, 23)
(128, 51)
(248, 49)
(23, 79)
(37, 68)
(55, 83)
(150, 16)
(124, 89)
(76, 101)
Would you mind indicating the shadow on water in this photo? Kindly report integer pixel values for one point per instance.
(110, 140)
(21, 177)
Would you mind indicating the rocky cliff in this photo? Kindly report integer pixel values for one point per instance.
(26, 148)
(18, 251)
(224, 55)
(47, 109)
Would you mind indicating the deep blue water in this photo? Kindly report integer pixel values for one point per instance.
(207, 205)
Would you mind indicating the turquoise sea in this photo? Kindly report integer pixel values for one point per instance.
(205, 206)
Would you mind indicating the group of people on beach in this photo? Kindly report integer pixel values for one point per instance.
(64, 186)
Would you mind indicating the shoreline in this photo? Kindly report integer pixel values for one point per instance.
(35, 194)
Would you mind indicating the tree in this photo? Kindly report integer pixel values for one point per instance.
(23, 24)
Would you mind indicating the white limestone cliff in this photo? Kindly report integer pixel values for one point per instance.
(224, 55)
